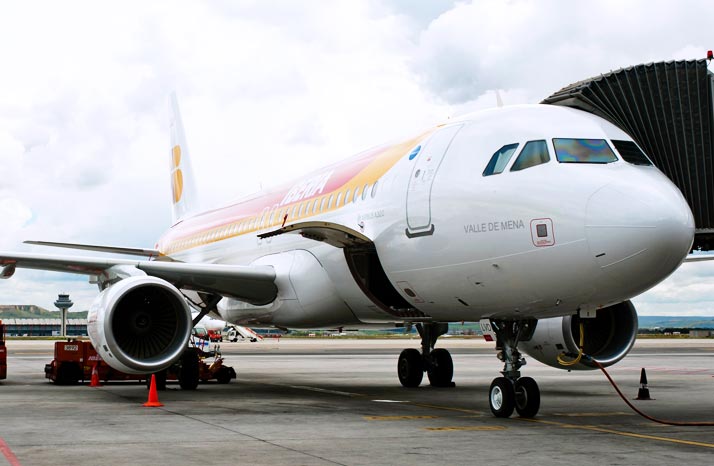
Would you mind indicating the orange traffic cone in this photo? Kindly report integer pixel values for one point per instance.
(153, 401)
(95, 377)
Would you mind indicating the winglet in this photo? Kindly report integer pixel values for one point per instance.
(183, 195)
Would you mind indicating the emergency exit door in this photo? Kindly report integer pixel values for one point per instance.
(421, 180)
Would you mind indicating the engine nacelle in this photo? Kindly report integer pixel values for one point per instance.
(608, 337)
(140, 324)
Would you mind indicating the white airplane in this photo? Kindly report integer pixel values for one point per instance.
(230, 332)
(540, 221)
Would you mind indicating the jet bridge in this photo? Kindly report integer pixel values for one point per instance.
(668, 109)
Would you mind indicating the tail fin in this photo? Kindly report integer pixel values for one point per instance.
(183, 192)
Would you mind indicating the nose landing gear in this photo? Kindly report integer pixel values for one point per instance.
(513, 391)
(437, 363)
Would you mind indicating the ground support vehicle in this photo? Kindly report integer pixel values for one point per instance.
(74, 361)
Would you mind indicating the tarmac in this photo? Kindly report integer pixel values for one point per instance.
(338, 402)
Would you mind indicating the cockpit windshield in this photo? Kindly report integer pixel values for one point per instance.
(583, 151)
(500, 159)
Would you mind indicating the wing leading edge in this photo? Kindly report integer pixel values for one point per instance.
(249, 283)
(154, 253)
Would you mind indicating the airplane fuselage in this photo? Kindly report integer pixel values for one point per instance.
(453, 241)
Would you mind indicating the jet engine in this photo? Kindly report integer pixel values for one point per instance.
(140, 324)
(608, 337)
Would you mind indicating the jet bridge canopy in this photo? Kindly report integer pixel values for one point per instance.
(668, 109)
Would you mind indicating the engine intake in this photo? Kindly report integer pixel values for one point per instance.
(140, 324)
(608, 337)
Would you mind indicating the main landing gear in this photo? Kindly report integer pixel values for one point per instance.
(436, 363)
(513, 391)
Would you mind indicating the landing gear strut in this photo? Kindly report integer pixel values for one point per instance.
(513, 391)
(436, 363)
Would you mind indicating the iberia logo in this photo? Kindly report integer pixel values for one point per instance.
(176, 175)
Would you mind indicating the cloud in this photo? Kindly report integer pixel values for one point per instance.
(268, 91)
(542, 46)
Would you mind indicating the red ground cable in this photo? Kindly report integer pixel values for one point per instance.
(650, 418)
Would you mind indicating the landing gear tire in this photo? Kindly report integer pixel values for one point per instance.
(502, 397)
(160, 380)
(410, 368)
(441, 368)
(527, 397)
(188, 375)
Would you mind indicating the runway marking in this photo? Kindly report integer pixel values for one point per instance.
(8, 454)
(451, 429)
(397, 418)
(621, 433)
(320, 390)
(390, 401)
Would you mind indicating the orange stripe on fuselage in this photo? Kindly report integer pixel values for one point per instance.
(268, 210)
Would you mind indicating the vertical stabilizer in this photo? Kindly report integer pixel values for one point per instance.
(183, 193)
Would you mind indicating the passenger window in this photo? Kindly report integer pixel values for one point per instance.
(329, 203)
(500, 159)
(339, 199)
(364, 191)
(583, 151)
(631, 152)
(533, 153)
(322, 204)
(347, 197)
(374, 189)
(356, 195)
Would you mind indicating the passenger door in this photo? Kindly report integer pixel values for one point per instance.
(421, 180)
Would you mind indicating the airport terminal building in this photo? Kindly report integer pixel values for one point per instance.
(44, 327)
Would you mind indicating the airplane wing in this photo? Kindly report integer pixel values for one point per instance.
(249, 283)
(699, 257)
(112, 249)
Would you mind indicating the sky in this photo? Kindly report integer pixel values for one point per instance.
(270, 90)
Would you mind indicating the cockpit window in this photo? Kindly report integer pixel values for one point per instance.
(533, 153)
(631, 153)
(583, 151)
(500, 159)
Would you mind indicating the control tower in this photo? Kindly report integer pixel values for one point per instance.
(63, 303)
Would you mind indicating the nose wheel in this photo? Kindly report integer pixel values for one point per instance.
(502, 397)
(511, 391)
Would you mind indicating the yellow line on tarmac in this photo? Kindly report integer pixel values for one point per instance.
(397, 418)
(622, 413)
(621, 433)
(448, 408)
(450, 429)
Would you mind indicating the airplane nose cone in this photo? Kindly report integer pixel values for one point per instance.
(638, 233)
